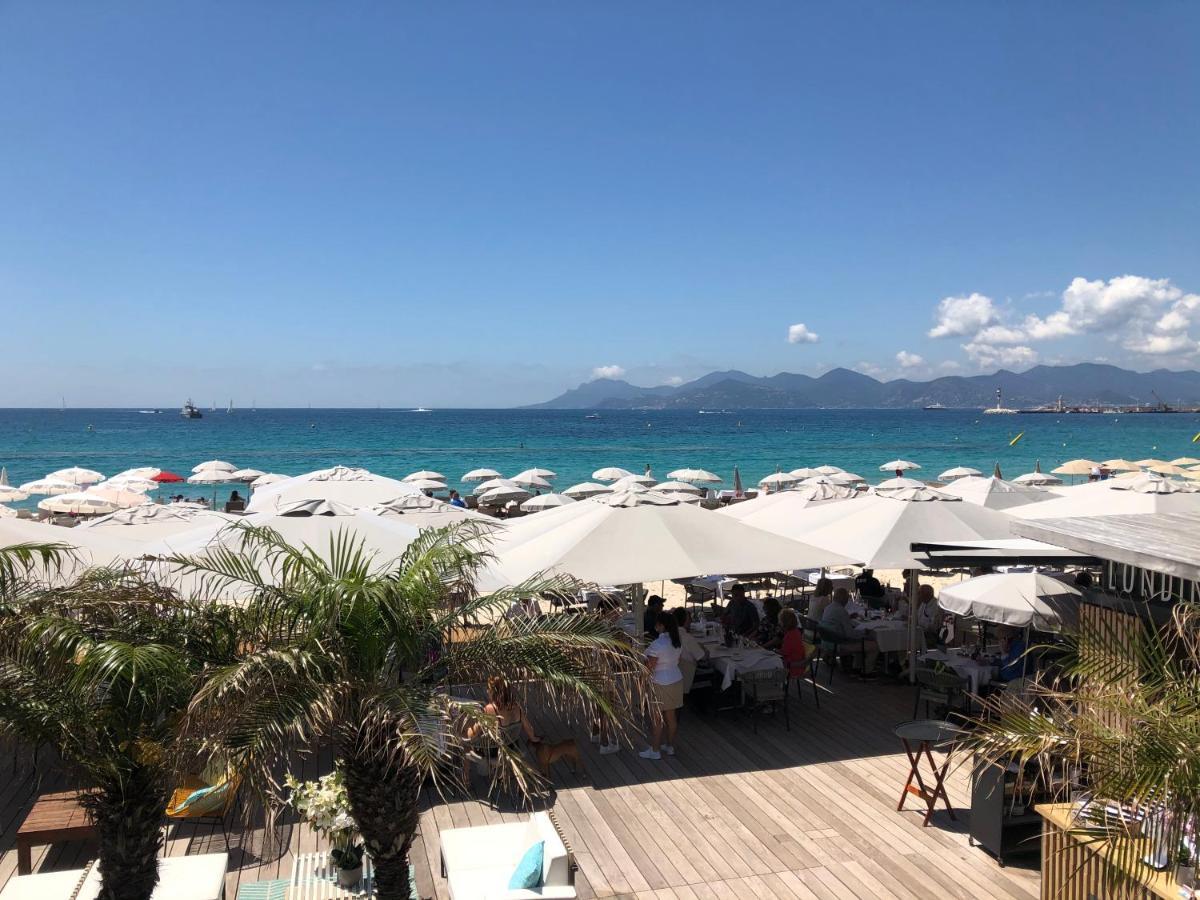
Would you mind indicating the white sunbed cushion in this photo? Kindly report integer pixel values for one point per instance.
(484, 847)
(492, 884)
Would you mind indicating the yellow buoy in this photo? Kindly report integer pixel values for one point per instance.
(1013, 442)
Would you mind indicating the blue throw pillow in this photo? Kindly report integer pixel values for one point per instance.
(529, 870)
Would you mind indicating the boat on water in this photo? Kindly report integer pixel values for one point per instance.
(592, 416)
(190, 411)
(936, 406)
(999, 408)
(421, 409)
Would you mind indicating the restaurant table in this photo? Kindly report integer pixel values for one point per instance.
(920, 738)
(731, 661)
(812, 576)
(718, 584)
(976, 674)
(892, 634)
(54, 819)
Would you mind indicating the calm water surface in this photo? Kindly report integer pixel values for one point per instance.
(396, 442)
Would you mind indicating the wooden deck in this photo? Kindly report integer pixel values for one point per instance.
(809, 812)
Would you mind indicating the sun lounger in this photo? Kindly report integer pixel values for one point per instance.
(478, 862)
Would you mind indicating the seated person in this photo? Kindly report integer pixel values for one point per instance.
(837, 621)
(769, 634)
(929, 614)
(741, 616)
(510, 718)
(820, 599)
(523, 608)
(1013, 664)
(791, 643)
(654, 606)
(1083, 579)
(870, 589)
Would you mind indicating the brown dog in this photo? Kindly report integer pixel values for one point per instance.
(549, 753)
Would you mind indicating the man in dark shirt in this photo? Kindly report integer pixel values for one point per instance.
(741, 616)
(869, 588)
(654, 605)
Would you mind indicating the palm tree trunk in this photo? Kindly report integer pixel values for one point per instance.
(128, 814)
(384, 796)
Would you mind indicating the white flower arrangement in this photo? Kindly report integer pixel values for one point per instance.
(325, 805)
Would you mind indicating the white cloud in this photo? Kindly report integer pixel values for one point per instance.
(949, 365)
(799, 334)
(987, 356)
(607, 372)
(675, 380)
(963, 316)
(868, 368)
(1144, 316)
(909, 360)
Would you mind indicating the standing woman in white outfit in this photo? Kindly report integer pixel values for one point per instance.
(666, 678)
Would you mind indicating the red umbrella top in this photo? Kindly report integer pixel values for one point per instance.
(166, 477)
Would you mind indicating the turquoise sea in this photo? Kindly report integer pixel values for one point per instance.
(396, 442)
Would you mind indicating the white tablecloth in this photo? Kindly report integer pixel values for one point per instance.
(732, 661)
(716, 583)
(812, 576)
(976, 674)
(892, 635)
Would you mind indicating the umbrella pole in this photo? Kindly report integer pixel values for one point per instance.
(639, 611)
(912, 628)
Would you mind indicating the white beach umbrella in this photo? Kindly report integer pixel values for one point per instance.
(215, 464)
(316, 523)
(493, 483)
(427, 484)
(155, 521)
(248, 475)
(270, 478)
(634, 480)
(679, 496)
(4, 476)
(429, 512)
(678, 487)
(1145, 463)
(1079, 467)
(845, 478)
(9, 494)
(49, 486)
(808, 473)
(212, 476)
(93, 502)
(1167, 469)
(778, 481)
(829, 470)
(546, 501)
(343, 484)
(7, 512)
(611, 473)
(1019, 599)
(502, 494)
(1121, 465)
(701, 475)
(958, 472)
(144, 472)
(1146, 483)
(1185, 461)
(128, 483)
(898, 465)
(772, 512)
(1110, 498)
(1037, 479)
(637, 495)
(587, 489)
(618, 544)
(531, 479)
(77, 476)
(89, 549)
(424, 475)
(480, 475)
(548, 474)
(994, 493)
(897, 484)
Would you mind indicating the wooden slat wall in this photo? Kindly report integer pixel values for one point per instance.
(1074, 871)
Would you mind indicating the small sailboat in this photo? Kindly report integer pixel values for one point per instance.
(63, 408)
(230, 407)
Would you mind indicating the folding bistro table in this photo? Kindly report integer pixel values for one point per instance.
(920, 738)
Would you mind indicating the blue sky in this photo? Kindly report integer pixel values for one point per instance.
(482, 204)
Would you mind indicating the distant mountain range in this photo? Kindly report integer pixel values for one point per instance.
(1081, 384)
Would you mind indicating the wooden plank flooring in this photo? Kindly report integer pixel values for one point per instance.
(805, 813)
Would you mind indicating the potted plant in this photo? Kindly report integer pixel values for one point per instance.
(325, 805)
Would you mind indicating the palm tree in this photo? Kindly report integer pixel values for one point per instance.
(1122, 723)
(102, 671)
(362, 654)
